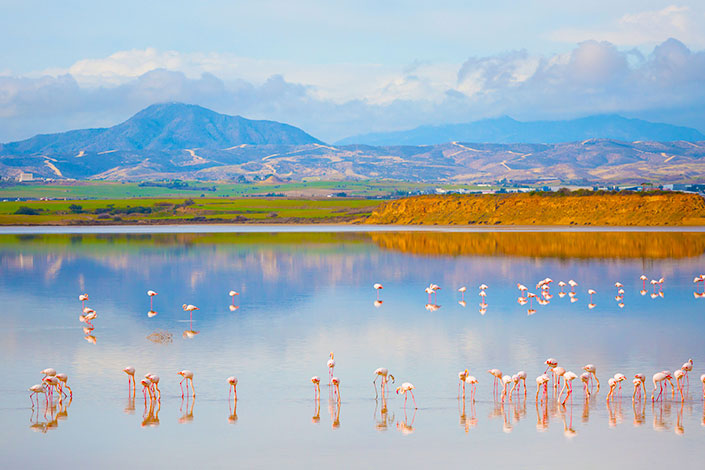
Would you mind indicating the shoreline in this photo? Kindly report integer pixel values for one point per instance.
(356, 228)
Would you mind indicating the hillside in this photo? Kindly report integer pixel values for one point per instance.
(637, 209)
(505, 130)
(163, 127)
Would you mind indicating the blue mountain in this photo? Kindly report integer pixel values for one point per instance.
(505, 130)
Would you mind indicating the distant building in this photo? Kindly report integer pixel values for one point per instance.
(23, 177)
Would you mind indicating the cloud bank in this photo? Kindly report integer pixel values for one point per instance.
(332, 102)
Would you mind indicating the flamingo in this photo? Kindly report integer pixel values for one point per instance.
(147, 388)
(462, 291)
(232, 382)
(658, 378)
(591, 292)
(542, 381)
(336, 383)
(154, 379)
(497, 378)
(386, 377)
(619, 378)
(151, 295)
(378, 287)
(506, 380)
(83, 298)
(232, 294)
(470, 379)
(669, 381)
(522, 288)
(316, 381)
(568, 378)
(63, 379)
(42, 388)
(585, 379)
(48, 372)
(189, 308)
(572, 285)
(404, 388)
(562, 285)
(188, 377)
(88, 316)
(687, 367)
(612, 383)
(483, 304)
(531, 296)
(429, 291)
(592, 370)
(637, 388)
(642, 379)
(331, 366)
(130, 371)
(483, 286)
(522, 376)
(558, 372)
(550, 364)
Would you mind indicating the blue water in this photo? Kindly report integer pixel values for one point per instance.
(304, 295)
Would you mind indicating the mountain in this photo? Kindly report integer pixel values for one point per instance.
(165, 127)
(505, 130)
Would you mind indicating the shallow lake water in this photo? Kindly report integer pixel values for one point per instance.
(305, 294)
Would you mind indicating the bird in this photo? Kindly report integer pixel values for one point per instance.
(506, 380)
(592, 370)
(52, 383)
(48, 372)
(568, 378)
(232, 294)
(42, 388)
(497, 378)
(591, 292)
(63, 379)
(232, 381)
(619, 378)
(88, 316)
(462, 291)
(154, 379)
(331, 366)
(612, 383)
(558, 372)
(189, 308)
(316, 381)
(585, 379)
(404, 388)
(687, 367)
(188, 377)
(542, 381)
(130, 371)
(83, 298)
(470, 379)
(336, 383)
(561, 284)
(637, 387)
(572, 285)
(522, 376)
(151, 295)
(429, 291)
(550, 364)
(386, 377)
(378, 287)
(658, 378)
(147, 388)
(483, 286)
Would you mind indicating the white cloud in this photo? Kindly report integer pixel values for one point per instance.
(595, 77)
(644, 28)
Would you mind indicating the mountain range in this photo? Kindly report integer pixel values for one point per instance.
(505, 130)
(174, 140)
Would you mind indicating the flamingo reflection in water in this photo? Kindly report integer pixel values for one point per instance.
(150, 416)
(187, 415)
(385, 419)
(334, 410)
(232, 408)
(406, 427)
(568, 430)
(316, 418)
(639, 409)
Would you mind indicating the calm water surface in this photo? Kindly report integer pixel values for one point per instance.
(303, 295)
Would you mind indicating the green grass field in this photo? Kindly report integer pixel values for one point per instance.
(116, 190)
(171, 210)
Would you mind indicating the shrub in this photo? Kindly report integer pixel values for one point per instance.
(25, 210)
(75, 208)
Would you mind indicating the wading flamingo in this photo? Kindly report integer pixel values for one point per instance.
(506, 380)
(619, 378)
(470, 379)
(331, 366)
(378, 287)
(562, 285)
(497, 379)
(336, 383)
(429, 291)
(232, 382)
(658, 378)
(591, 292)
(592, 370)
(642, 379)
(386, 377)
(613, 384)
(404, 388)
(63, 379)
(585, 379)
(155, 384)
(558, 372)
(687, 367)
(316, 381)
(232, 294)
(188, 377)
(83, 298)
(147, 388)
(572, 285)
(130, 371)
(462, 291)
(189, 308)
(679, 374)
(35, 390)
(568, 378)
(521, 375)
(151, 295)
(542, 381)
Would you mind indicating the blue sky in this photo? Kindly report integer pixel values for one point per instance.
(342, 68)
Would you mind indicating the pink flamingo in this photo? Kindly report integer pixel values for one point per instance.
(591, 292)
(542, 382)
(592, 370)
(130, 371)
(331, 366)
(83, 298)
(188, 377)
(585, 379)
(189, 308)
(42, 388)
(378, 287)
(232, 294)
(63, 382)
(473, 385)
(687, 367)
(151, 295)
(336, 392)
(497, 378)
(316, 381)
(232, 382)
(404, 388)
(568, 378)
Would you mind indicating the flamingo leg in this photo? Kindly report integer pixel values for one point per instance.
(193, 389)
(412, 397)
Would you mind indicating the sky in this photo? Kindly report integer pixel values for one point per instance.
(343, 68)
